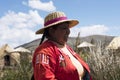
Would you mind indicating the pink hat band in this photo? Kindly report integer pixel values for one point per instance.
(55, 20)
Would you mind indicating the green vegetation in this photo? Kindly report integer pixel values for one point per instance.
(104, 64)
(21, 72)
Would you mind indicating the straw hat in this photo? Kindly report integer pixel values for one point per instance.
(55, 18)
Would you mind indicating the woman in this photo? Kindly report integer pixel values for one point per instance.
(54, 59)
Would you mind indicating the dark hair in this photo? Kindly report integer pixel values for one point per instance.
(32, 78)
(45, 35)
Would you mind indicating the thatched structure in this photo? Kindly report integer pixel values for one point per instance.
(85, 44)
(24, 53)
(84, 47)
(114, 44)
(7, 58)
(10, 57)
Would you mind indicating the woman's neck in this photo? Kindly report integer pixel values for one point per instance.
(60, 45)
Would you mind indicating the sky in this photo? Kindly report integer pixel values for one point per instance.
(20, 19)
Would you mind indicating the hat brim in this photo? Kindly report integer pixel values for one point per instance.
(72, 23)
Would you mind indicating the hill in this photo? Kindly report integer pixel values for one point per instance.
(71, 41)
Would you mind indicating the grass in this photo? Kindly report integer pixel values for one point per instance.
(21, 72)
(104, 64)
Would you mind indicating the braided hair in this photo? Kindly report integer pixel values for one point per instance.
(45, 35)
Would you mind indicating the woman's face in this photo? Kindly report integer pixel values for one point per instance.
(61, 33)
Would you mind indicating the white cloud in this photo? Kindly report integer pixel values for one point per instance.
(114, 31)
(21, 20)
(16, 28)
(37, 4)
(89, 30)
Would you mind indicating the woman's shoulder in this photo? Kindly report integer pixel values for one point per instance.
(46, 47)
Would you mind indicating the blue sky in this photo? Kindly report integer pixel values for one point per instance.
(19, 19)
